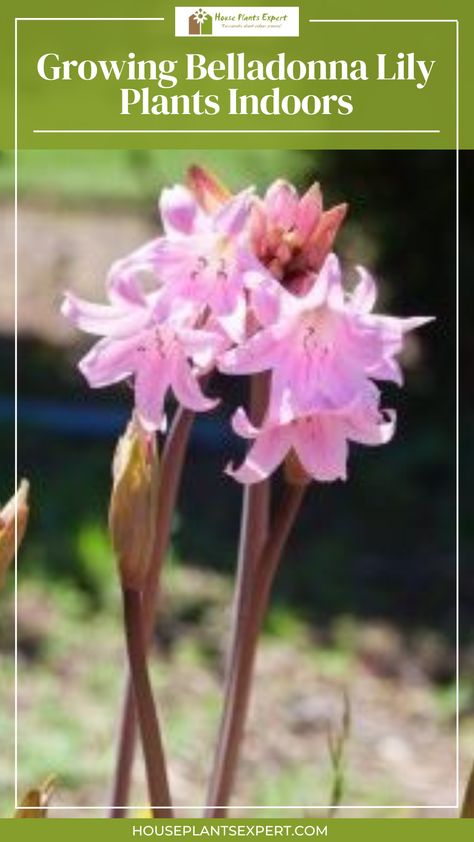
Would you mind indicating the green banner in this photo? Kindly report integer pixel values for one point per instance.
(368, 830)
(107, 76)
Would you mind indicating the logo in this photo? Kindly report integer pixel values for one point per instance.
(237, 21)
(200, 23)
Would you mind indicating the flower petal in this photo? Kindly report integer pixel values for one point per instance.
(103, 319)
(231, 217)
(209, 191)
(234, 322)
(265, 295)
(179, 210)
(387, 369)
(281, 204)
(321, 240)
(308, 212)
(365, 294)
(321, 447)
(203, 345)
(109, 361)
(242, 425)
(264, 456)
(186, 387)
(261, 352)
(152, 381)
(371, 431)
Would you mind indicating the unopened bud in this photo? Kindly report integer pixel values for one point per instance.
(208, 190)
(132, 504)
(14, 512)
(35, 803)
(295, 474)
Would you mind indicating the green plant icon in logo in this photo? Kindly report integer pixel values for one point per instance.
(200, 23)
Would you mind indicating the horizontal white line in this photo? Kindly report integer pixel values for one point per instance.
(264, 807)
(383, 20)
(35, 19)
(236, 131)
(311, 20)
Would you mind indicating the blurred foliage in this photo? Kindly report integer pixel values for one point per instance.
(134, 175)
(382, 545)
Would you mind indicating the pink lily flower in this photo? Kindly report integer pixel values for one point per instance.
(319, 441)
(127, 311)
(202, 259)
(323, 346)
(143, 339)
(292, 235)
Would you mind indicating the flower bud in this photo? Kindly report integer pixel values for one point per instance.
(132, 503)
(15, 511)
(35, 803)
(208, 190)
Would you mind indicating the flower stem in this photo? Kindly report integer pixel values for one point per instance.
(255, 510)
(158, 787)
(171, 469)
(248, 619)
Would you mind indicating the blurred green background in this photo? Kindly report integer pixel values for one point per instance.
(368, 580)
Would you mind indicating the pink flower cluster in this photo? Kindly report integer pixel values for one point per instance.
(248, 286)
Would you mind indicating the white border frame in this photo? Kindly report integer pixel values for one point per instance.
(199, 807)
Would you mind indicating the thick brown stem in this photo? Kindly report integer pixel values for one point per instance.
(171, 469)
(158, 788)
(239, 678)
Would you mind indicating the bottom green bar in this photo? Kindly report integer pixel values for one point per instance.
(368, 830)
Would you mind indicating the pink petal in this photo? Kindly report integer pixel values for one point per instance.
(186, 386)
(225, 292)
(326, 284)
(124, 289)
(103, 319)
(179, 210)
(242, 425)
(387, 369)
(321, 447)
(323, 237)
(231, 217)
(281, 204)
(365, 294)
(361, 342)
(109, 361)
(309, 211)
(265, 295)
(414, 322)
(202, 345)
(209, 191)
(332, 269)
(285, 400)
(121, 283)
(152, 380)
(261, 352)
(264, 456)
(234, 322)
(371, 431)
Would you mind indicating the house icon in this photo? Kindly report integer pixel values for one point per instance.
(200, 23)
